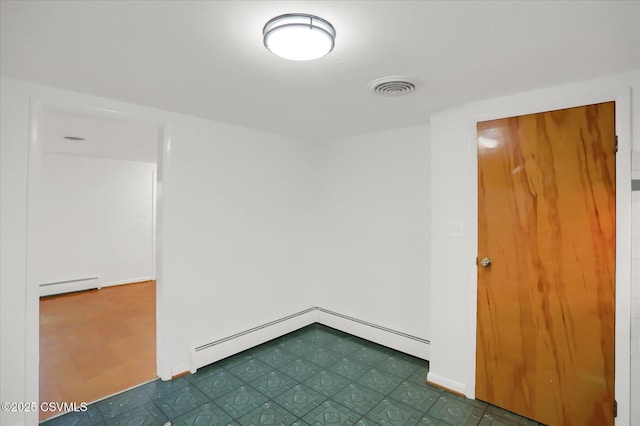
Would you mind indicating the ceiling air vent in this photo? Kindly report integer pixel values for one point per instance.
(392, 86)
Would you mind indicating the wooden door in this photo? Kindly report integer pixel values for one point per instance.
(546, 220)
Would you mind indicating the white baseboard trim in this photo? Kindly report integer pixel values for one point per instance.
(85, 283)
(211, 350)
(205, 353)
(68, 286)
(446, 383)
(127, 281)
(385, 336)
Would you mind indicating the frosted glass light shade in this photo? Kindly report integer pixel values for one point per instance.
(299, 37)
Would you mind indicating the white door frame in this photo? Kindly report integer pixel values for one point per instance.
(32, 291)
(623, 126)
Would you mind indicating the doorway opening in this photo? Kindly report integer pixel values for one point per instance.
(92, 252)
(546, 284)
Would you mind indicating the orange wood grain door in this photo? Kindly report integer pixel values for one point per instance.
(546, 220)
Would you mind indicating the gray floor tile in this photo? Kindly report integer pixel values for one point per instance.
(331, 413)
(315, 375)
(358, 398)
(495, 414)
(276, 357)
(456, 410)
(366, 422)
(323, 357)
(178, 403)
(205, 372)
(369, 356)
(273, 384)
(319, 336)
(146, 415)
(488, 419)
(241, 401)
(300, 400)
(390, 412)
(299, 347)
(301, 369)
(218, 384)
(250, 370)
(158, 388)
(232, 361)
(91, 417)
(208, 414)
(327, 383)
(419, 396)
(380, 381)
(399, 366)
(361, 342)
(427, 420)
(344, 346)
(121, 403)
(273, 344)
(268, 414)
(420, 375)
(349, 368)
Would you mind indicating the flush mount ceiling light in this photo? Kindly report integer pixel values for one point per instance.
(299, 37)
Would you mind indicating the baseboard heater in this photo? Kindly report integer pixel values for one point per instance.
(372, 325)
(209, 352)
(206, 353)
(67, 286)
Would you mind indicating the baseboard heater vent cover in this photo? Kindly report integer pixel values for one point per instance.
(207, 353)
(67, 286)
(210, 352)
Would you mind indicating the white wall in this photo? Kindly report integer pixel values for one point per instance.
(95, 219)
(235, 232)
(245, 215)
(232, 231)
(635, 290)
(454, 205)
(14, 117)
(372, 218)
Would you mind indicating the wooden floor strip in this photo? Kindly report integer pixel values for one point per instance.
(96, 343)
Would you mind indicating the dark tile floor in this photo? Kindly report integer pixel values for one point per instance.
(314, 376)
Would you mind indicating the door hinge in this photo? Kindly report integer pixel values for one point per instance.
(615, 408)
(616, 147)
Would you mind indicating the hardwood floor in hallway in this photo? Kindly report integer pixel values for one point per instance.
(96, 343)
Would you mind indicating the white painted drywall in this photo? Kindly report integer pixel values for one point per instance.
(232, 216)
(235, 232)
(240, 231)
(454, 223)
(372, 215)
(14, 109)
(95, 219)
(635, 291)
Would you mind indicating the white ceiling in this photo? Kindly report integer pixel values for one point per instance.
(207, 59)
(105, 137)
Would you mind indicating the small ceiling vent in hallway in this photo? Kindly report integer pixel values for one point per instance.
(392, 86)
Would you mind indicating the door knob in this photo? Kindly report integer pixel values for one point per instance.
(485, 262)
